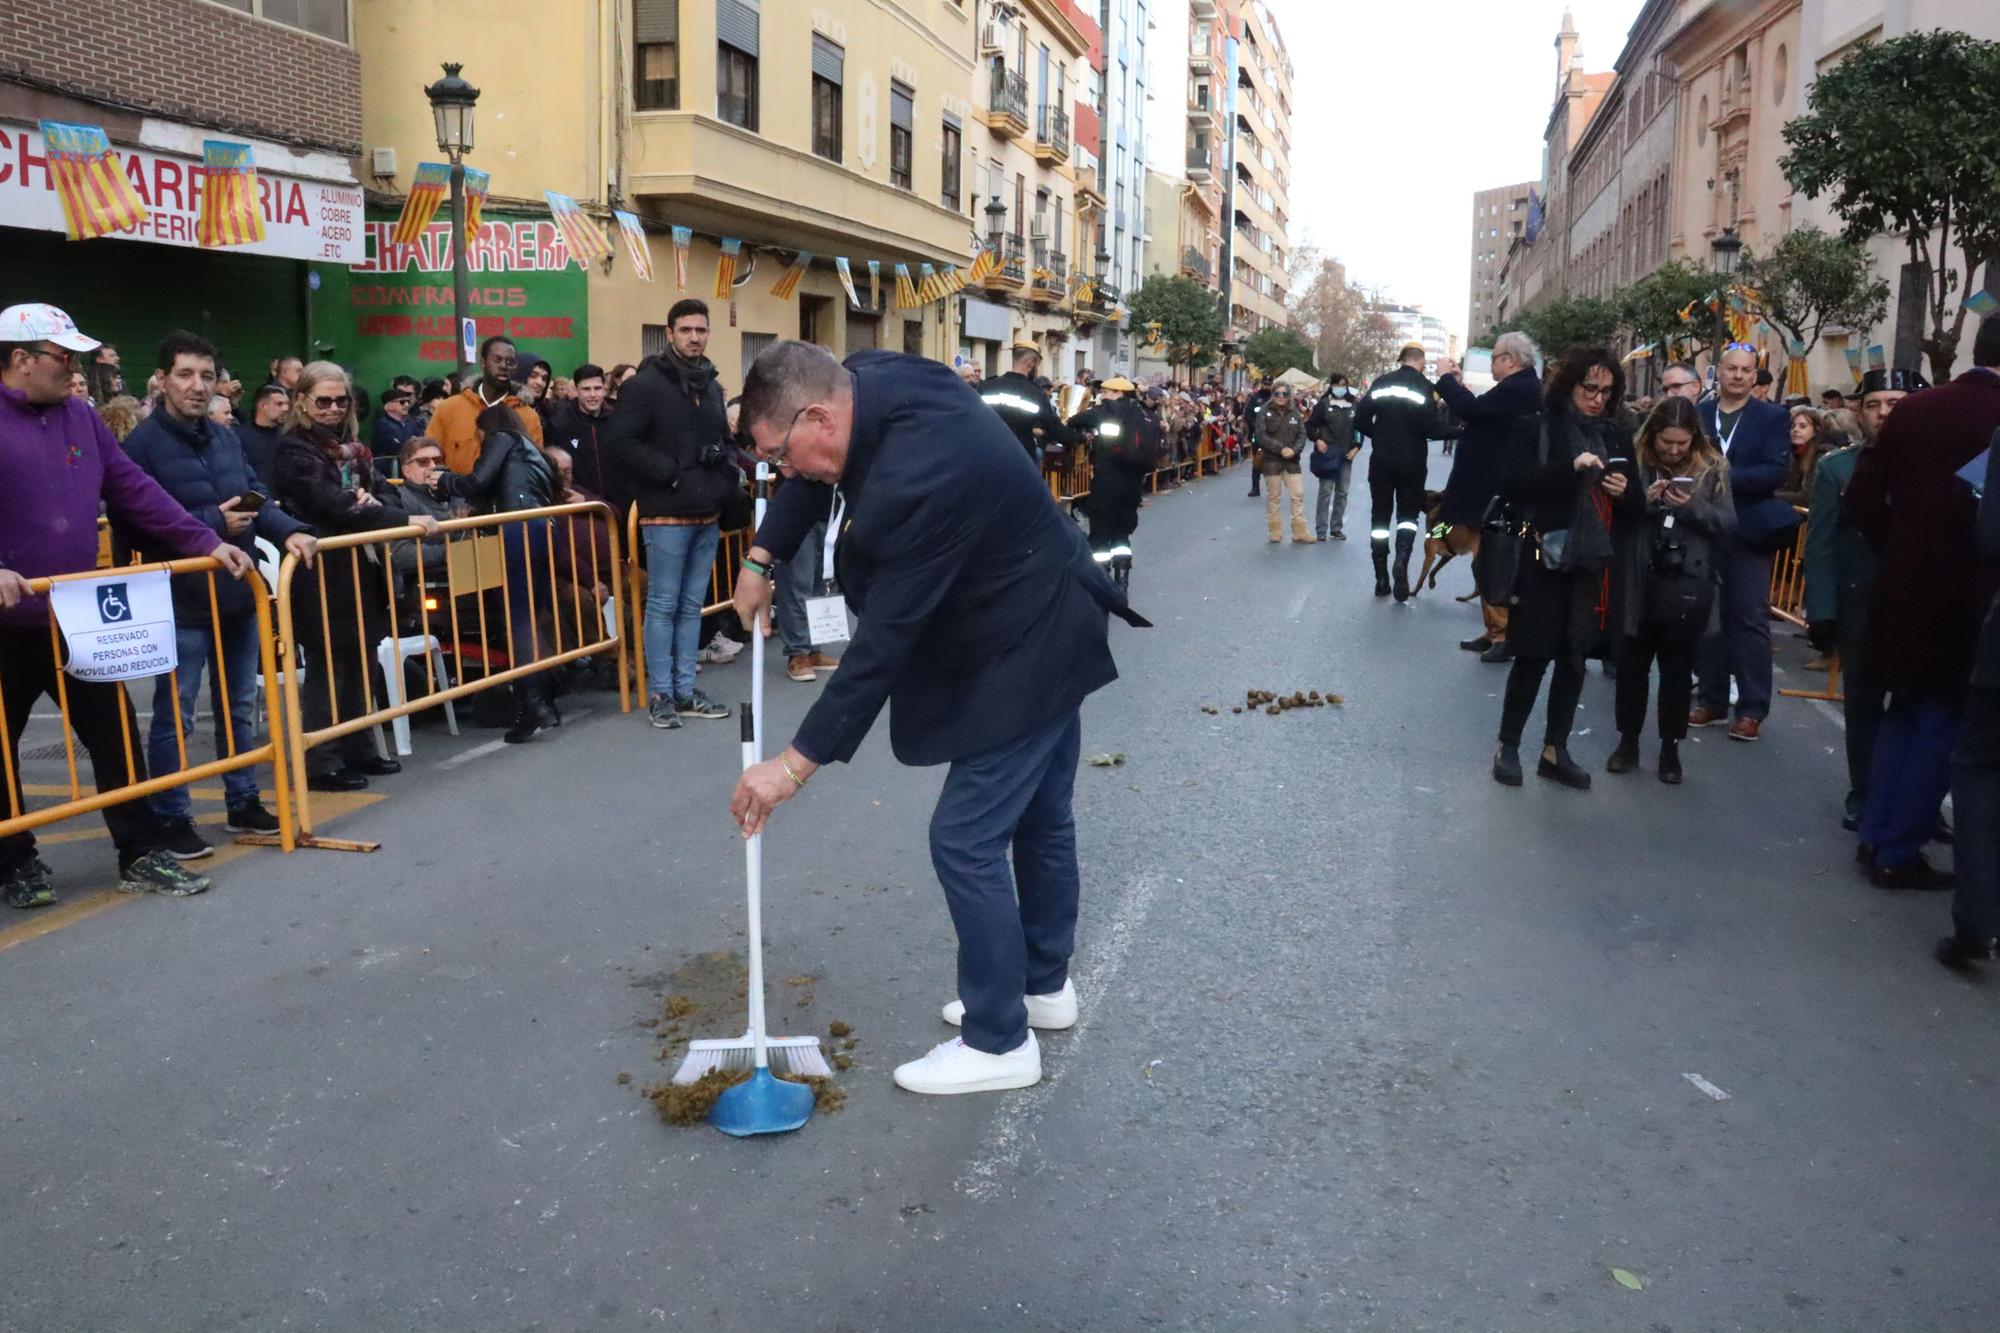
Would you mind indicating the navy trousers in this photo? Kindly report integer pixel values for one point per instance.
(1975, 810)
(1741, 645)
(1016, 925)
(1911, 774)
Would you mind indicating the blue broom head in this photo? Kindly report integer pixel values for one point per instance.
(764, 1105)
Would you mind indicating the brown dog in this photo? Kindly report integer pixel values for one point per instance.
(1440, 551)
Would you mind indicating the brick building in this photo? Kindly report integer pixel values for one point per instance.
(1499, 216)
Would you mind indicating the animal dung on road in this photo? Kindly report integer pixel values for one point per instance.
(1275, 704)
(1107, 760)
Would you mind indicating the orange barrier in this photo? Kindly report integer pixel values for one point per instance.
(239, 755)
(1788, 581)
(475, 565)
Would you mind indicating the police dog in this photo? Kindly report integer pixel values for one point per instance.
(1442, 546)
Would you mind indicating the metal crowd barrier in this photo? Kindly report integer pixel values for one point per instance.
(475, 567)
(240, 751)
(1788, 603)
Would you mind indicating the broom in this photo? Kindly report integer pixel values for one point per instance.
(755, 1050)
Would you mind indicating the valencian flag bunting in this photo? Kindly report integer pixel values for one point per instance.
(586, 243)
(725, 267)
(420, 205)
(634, 233)
(874, 284)
(927, 285)
(477, 186)
(788, 281)
(846, 272)
(683, 238)
(230, 214)
(985, 260)
(906, 294)
(1878, 357)
(951, 282)
(1854, 363)
(96, 196)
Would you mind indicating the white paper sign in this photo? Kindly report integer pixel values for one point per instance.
(118, 627)
(826, 619)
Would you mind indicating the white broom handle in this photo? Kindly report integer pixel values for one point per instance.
(753, 871)
(763, 489)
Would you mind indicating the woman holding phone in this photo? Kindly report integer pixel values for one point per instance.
(1664, 576)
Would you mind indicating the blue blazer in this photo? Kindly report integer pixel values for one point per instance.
(982, 616)
(1760, 461)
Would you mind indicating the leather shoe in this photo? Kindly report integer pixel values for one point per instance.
(341, 779)
(1743, 729)
(1499, 652)
(1625, 758)
(375, 766)
(1565, 770)
(1507, 766)
(1706, 717)
(1962, 950)
(1478, 645)
(1917, 874)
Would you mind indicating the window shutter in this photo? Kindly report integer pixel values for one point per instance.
(901, 104)
(951, 122)
(828, 60)
(656, 21)
(736, 24)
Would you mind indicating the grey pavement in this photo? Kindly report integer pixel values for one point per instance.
(1369, 1042)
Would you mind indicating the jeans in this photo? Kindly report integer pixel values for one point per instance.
(1016, 925)
(680, 557)
(238, 635)
(1524, 682)
(797, 578)
(1911, 776)
(1741, 646)
(1675, 650)
(1331, 502)
(1975, 808)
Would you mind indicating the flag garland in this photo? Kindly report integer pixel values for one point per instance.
(478, 185)
(846, 272)
(683, 238)
(788, 281)
(1878, 357)
(634, 233)
(96, 195)
(985, 259)
(230, 214)
(1982, 303)
(874, 284)
(586, 243)
(927, 284)
(420, 205)
(951, 281)
(906, 292)
(725, 267)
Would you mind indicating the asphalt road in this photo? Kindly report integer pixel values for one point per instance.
(1369, 1042)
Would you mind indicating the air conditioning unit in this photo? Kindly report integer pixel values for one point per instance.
(383, 161)
(1038, 230)
(990, 35)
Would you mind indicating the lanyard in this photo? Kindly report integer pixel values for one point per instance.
(833, 519)
(1734, 426)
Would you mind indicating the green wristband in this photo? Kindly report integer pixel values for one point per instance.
(762, 571)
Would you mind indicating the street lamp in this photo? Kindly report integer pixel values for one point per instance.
(452, 100)
(1726, 248)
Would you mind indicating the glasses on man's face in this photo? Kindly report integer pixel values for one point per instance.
(426, 460)
(62, 356)
(324, 402)
(777, 457)
(1595, 390)
(1678, 385)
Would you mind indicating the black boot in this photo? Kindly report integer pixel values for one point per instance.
(1405, 542)
(1670, 763)
(1507, 765)
(1626, 757)
(1380, 550)
(527, 720)
(542, 702)
(1565, 770)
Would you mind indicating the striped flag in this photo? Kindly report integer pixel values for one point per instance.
(634, 233)
(420, 205)
(1854, 363)
(477, 185)
(230, 214)
(906, 294)
(683, 238)
(586, 242)
(788, 281)
(874, 284)
(846, 272)
(952, 281)
(96, 196)
(725, 267)
(1878, 357)
(984, 260)
(927, 288)
(1795, 378)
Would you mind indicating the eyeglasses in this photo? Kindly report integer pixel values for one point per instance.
(1678, 385)
(62, 356)
(777, 456)
(323, 402)
(425, 460)
(1594, 390)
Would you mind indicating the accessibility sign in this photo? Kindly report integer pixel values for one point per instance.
(117, 627)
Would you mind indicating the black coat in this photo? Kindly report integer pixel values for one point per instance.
(583, 434)
(982, 615)
(1020, 403)
(511, 475)
(1556, 614)
(1480, 457)
(1399, 415)
(309, 484)
(1122, 456)
(667, 415)
(260, 450)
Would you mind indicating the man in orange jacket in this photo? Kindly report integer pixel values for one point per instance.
(452, 424)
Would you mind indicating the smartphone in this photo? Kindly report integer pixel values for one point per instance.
(1682, 483)
(249, 502)
(1617, 462)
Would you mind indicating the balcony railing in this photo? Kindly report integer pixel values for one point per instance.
(1010, 93)
(1012, 250)
(1195, 264)
(1052, 130)
(1198, 168)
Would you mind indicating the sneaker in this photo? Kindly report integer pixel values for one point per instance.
(700, 705)
(661, 710)
(181, 842)
(800, 668)
(157, 872)
(251, 818)
(28, 884)
(1050, 1013)
(821, 662)
(721, 649)
(953, 1067)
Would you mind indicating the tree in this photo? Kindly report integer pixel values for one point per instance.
(1188, 315)
(1275, 351)
(1811, 280)
(1335, 319)
(1572, 321)
(1904, 135)
(1650, 309)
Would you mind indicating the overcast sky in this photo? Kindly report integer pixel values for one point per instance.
(1402, 111)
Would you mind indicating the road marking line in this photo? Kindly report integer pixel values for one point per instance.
(476, 752)
(1002, 1157)
(1298, 603)
(1708, 1089)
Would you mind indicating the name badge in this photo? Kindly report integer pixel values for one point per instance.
(826, 619)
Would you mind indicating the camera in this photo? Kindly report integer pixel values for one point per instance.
(713, 454)
(1669, 555)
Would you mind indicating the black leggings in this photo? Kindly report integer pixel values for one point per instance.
(1524, 682)
(1675, 650)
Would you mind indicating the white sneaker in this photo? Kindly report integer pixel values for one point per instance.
(722, 648)
(954, 1067)
(1050, 1013)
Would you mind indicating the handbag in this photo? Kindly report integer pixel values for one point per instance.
(1496, 565)
(1680, 582)
(1585, 545)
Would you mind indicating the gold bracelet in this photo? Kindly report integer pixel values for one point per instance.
(786, 764)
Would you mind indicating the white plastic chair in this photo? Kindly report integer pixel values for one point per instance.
(611, 618)
(416, 645)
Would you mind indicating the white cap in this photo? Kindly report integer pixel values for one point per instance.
(36, 323)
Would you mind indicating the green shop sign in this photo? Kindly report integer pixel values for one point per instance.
(392, 314)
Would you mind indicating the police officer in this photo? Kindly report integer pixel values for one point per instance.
(1025, 406)
(1123, 453)
(1399, 415)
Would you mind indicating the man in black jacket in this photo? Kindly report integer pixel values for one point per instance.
(1330, 427)
(262, 433)
(1481, 458)
(984, 618)
(579, 427)
(201, 465)
(1124, 450)
(1399, 415)
(1025, 407)
(667, 440)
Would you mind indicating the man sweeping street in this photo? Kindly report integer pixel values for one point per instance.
(984, 621)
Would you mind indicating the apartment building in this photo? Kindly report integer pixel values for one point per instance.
(1122, 235)
(1499, 217)
(1259, 182)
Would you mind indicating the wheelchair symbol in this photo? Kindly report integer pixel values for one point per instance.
(111, 604)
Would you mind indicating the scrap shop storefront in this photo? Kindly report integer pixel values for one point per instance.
(255, 302)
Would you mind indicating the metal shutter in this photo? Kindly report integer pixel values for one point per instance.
(656, 21)
(901, 104)
(736, 24)
(828, 60)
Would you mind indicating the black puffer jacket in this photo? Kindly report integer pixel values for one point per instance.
(511, 475)
(669, 414)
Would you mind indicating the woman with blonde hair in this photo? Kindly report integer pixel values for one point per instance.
(121, 414)
(1663, 575)
(326, 477)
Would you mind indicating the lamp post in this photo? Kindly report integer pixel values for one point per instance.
(1726, 247)
(452, 100)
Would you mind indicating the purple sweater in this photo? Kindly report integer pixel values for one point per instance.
(56, 464)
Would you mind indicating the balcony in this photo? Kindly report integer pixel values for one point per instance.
(1089, 190)
(1048, 277)
(1012, 275)
(1201, 9)
(1006, 112)
(1198, 168)
(1098, 305)
(1052, 135)
(1194, 264)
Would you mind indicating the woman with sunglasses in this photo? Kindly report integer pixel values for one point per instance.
(1566, 466)
(326, 478)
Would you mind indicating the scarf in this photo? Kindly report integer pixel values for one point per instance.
(694, 376)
